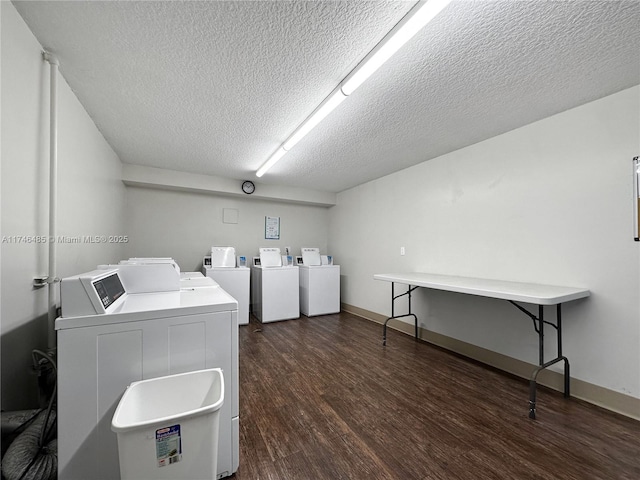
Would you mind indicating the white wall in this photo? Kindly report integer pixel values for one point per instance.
(162, 178)
(551, 203)
(90, 199)
(185, 225)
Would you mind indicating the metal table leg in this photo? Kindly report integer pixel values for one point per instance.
(543, 365)
(394, 316)
(538, 323)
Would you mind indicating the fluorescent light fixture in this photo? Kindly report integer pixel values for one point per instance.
(325, 108)
(271, 162)
(421, 14)
(330, 103)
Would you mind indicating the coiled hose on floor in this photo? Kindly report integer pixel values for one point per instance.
(33, 455)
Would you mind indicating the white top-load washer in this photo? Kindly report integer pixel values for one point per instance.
(221, 267)
(190, 275)
(275, 293)
(162, 260)
(157, 275)
(109, 337)
(149, 260)
(199, 282)
(319, 283)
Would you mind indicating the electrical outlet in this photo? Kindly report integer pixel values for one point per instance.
(401, 250)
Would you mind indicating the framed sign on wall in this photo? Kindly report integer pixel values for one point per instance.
(636, 198)
(272, 228)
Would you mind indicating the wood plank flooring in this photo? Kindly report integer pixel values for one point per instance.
(320, 398)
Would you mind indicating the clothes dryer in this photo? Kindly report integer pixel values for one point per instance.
(109, 338)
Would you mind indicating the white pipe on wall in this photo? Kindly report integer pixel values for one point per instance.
(53, 183)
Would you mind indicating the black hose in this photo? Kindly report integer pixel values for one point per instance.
(44, 433)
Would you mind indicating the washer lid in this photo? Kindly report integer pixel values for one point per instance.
(223, 257)
(311, 256)
(270, 257)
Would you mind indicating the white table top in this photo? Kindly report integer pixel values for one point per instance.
(515, 291)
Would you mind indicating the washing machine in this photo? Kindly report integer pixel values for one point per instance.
(233, 276)
(319, 283)
(150, 260)
(198, 282)
(109, 337)
(190, 275)
(158, 274)
(275, 292)
(186, 279)
(144, 278)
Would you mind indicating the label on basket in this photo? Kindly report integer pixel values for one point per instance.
(168, 445)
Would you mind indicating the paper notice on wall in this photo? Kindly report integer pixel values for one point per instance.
(636, 198)
(272, 228)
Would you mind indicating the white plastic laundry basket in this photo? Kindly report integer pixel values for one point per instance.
(167, 427)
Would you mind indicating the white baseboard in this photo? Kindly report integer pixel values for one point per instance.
(594, 394)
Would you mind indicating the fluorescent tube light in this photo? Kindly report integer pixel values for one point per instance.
(401, 34)
(325, 108)
(271, 162)
(329, 104)
(421, 14)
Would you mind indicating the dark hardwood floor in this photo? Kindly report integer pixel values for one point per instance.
(320, 398)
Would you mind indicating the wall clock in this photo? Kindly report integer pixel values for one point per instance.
(248, 187)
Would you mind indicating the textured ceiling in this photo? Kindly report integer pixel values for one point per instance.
(215, 87)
